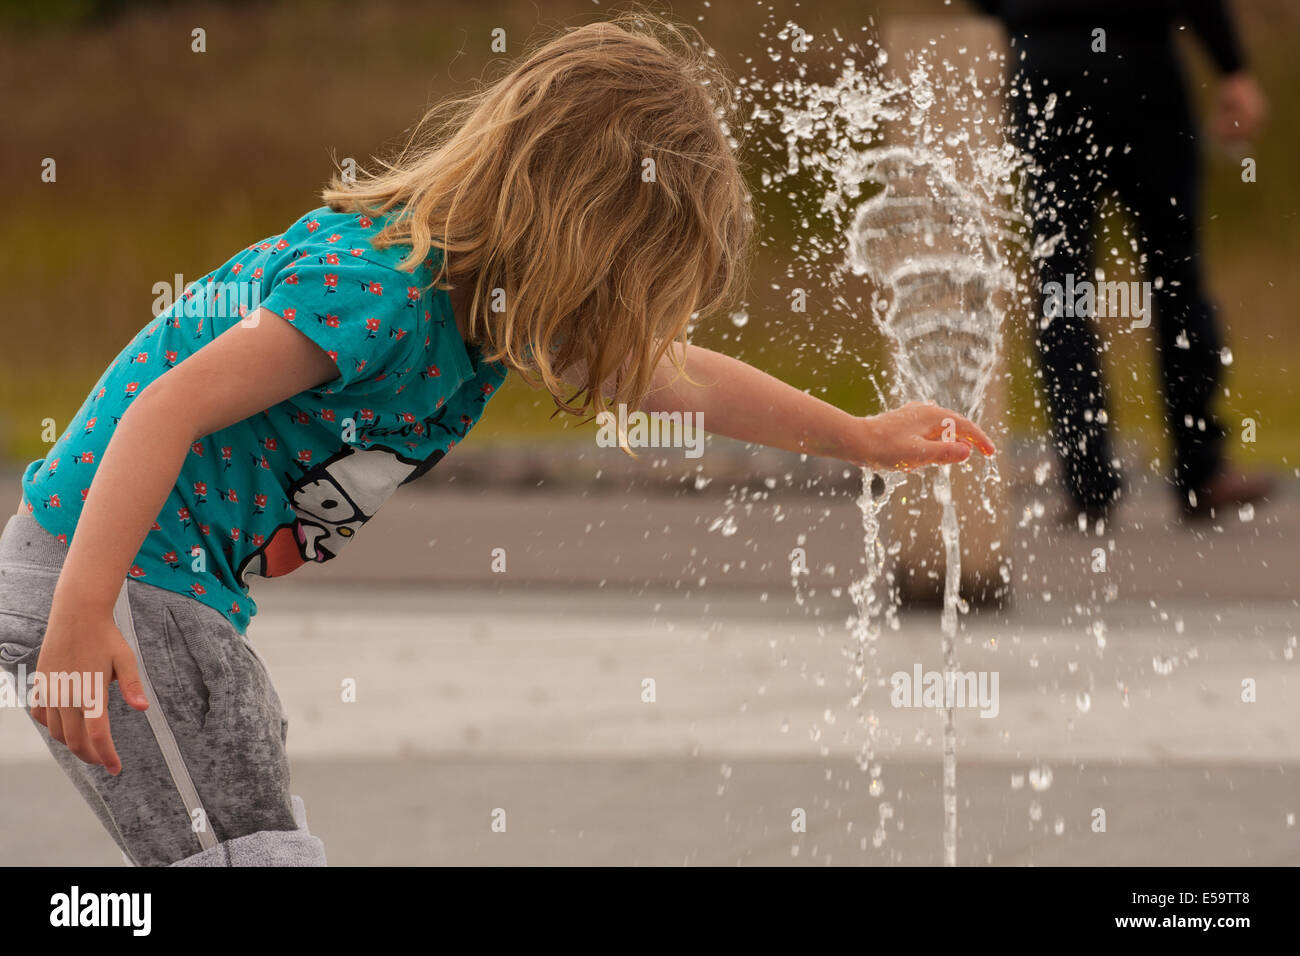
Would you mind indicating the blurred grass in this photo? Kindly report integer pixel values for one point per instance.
(169, 161)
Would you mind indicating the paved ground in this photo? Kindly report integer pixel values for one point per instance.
(523, 691)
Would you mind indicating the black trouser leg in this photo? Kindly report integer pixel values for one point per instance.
(1069, 350)
(1160, 182)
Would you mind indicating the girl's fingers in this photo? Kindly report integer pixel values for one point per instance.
(966, 430)
(100, 739)
(946, 452)
(55, 723)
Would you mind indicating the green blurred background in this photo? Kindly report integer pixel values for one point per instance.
(169, 161)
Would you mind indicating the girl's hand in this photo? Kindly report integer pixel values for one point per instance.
(918, 434)
(94, 649)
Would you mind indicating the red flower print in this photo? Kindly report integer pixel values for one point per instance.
(61, 538)
(231, 496)
(375, 288)
(156, 525)
(53, 502)
(198, 589)
(270, 444)
(54, 466)
(466, 420)
(313, 225)
(136, 571)
(334, 356)
(372, 325)
(234, 534)
(171, 356)
(260, 502)
(289, 315)
(100, 393)
(364, 222)
(332, 259)
(282, 244)
(237, 268)
(418, 428)
(197, 448)
(366, 415)
(432, 371)
(304, 455)
(86, 491)
(226, 452)
(257, 273)
(487, 389)
(331, 280)
(327, 414)
(334, 238)
(332, 321)
(169, 557)
(291, 279)
(183, 514)
(204, 530)
(258, 540)
(234, 607)
(131, 387)
(398, 334)
(412, 294)
(357, 252)
(302, 418)
(200, 487)
(87, 458)
(407, 417)
(90, 424)
(142, 357)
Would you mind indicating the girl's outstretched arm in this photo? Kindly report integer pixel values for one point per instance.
(739, 401)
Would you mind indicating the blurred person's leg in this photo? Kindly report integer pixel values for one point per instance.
(1069, 349)
(1159, 179)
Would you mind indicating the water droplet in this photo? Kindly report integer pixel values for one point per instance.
(1035, 811)
(1162, 665)
(1083, 701)
(1040, 777)
(1246, 513)
(1059, 826)
(1225, 356)
(739, 318)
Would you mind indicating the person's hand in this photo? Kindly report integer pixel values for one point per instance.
(91, 647)
(917, 434)
(1241, 109)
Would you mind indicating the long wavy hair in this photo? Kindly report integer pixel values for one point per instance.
(593, 187)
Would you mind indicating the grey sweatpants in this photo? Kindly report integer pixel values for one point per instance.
(205, 777)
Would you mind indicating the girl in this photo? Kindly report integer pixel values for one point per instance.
(259, 422)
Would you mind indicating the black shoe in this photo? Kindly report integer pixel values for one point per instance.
(1229, 486)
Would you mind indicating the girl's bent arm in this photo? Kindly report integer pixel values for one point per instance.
(251, 366)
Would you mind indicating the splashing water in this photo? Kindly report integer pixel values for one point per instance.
(935, 237)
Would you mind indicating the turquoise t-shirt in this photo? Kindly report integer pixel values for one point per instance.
(292, 484)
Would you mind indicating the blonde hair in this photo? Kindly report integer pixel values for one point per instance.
(540, 185)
